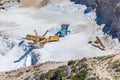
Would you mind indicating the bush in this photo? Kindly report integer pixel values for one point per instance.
(71, 62)
(74, 69)
(83, 60)
(117, 70)
(80, 76)
(62, 67)
(117, 77)
(42, 77)
(58, 75)
(84, 65)
(26, 78)
(47, 75)
(115, 64)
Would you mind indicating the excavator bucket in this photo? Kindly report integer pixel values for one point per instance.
(53, 38)
(102, 45)
(98, 41)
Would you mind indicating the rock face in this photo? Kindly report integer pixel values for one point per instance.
(108, 12)
(37, 3)
(34, 3)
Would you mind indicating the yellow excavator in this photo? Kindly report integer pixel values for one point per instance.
(98, 41)
(41, 40)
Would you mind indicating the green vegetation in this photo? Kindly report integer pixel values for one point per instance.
(83, 60)
(77, 70)
(58, 75)
(81, 75)
(71, 62)
(101, 58)
(93, 78)
(84, 65)
(117, 69)
(74, 69)
(63, 67)
(115, 64)
(37, 75)
(26, 78)
(117, 77)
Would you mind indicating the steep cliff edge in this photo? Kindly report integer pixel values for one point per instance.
(108, 12)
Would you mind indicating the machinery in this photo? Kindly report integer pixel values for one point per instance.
(98, 41)
(64, 30)
(41, 40)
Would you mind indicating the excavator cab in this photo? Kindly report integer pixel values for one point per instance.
(64, 30)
